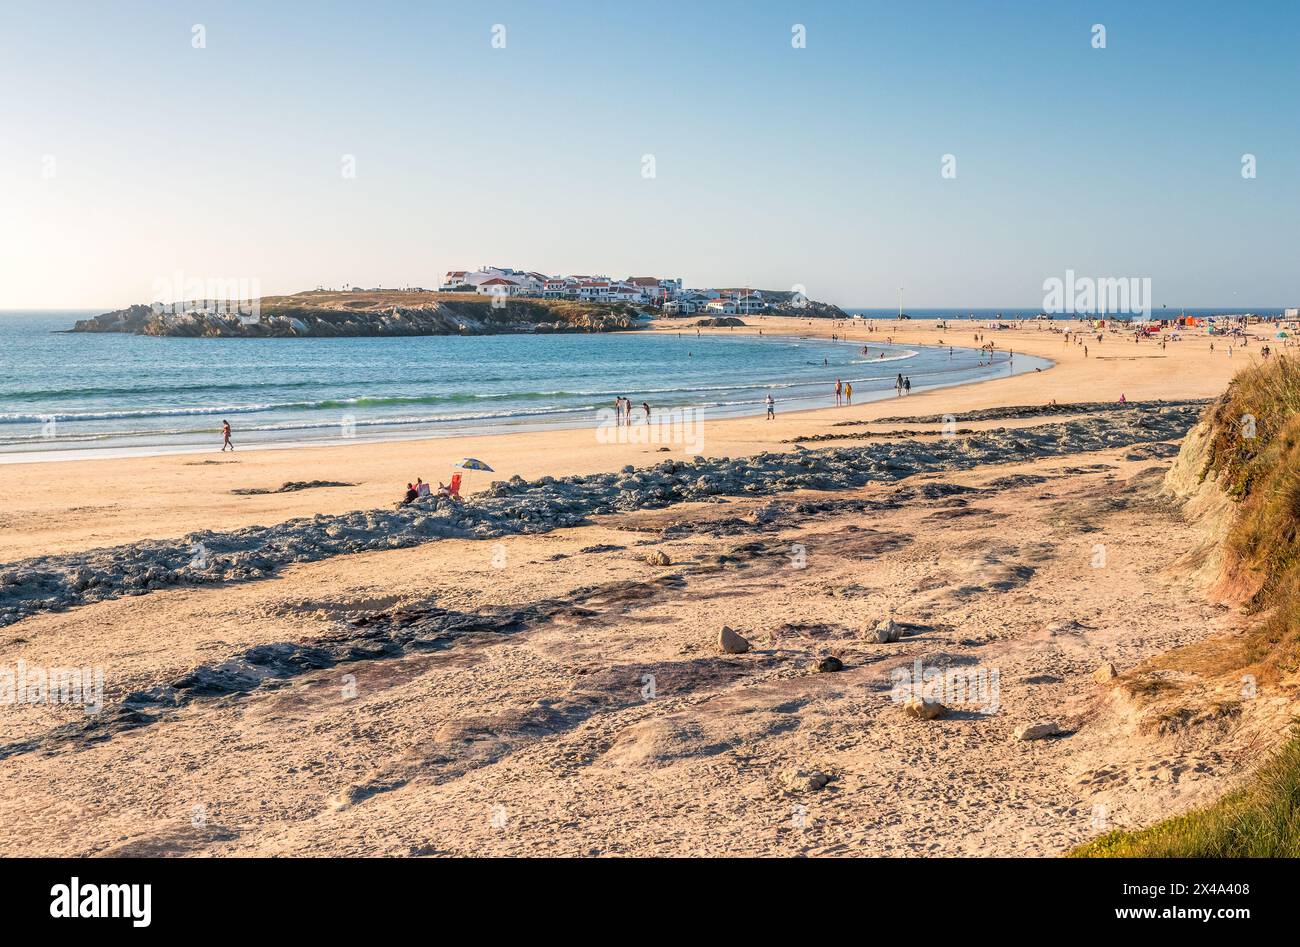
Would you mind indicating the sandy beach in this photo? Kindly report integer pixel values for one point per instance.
(557, 693)
(74, 505)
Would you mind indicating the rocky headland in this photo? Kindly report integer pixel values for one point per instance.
(335, 315)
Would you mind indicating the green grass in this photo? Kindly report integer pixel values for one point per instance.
(1262, 547)
(1261, 820)
(1263, 474)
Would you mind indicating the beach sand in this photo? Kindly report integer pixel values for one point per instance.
(74, 505)
(570, 698)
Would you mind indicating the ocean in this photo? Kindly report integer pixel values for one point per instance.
(63, 394)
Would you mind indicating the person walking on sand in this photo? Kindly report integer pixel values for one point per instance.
(771, 406)
(907, 386)
(848, 393)
(839, 392)
(646, 407)
(225, 437)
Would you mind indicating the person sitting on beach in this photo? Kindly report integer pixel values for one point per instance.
(421, 487)
(410, 497)
(443, 489)
(1122, 399)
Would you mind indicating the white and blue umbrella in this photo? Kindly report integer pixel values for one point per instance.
(472, 463)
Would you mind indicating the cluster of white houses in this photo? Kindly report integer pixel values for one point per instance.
(665, 294)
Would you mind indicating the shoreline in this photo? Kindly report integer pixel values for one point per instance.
(519, 424)
(103, 502)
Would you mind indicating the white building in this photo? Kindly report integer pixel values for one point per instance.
(499, 286)
(527, 282)
(636, 290)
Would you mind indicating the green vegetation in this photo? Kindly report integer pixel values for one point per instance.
(1261, 820)
(1254, 452)
(1263, 473)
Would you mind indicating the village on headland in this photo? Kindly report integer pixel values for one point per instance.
(490, 300)
(498, 299)
(666, 295)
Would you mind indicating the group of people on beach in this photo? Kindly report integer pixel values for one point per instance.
(623, 410)
(420, 489)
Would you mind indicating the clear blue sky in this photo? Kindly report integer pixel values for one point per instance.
(773, 165)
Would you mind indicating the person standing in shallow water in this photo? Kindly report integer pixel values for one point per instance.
(225, 437)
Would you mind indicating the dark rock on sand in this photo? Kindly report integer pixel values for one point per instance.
(516, 506)
(292, 486)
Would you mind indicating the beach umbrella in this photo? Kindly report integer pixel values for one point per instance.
(472, 463)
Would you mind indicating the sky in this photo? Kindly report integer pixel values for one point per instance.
(699, 139)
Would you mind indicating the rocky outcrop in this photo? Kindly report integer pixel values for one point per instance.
(277, 320)
(517, 506)
(132, 319)
(719, 322)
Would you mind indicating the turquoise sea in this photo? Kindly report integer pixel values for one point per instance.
(133, 394)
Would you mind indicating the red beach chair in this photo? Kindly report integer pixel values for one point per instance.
(453, 488)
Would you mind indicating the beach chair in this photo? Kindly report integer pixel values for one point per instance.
(453, 488)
